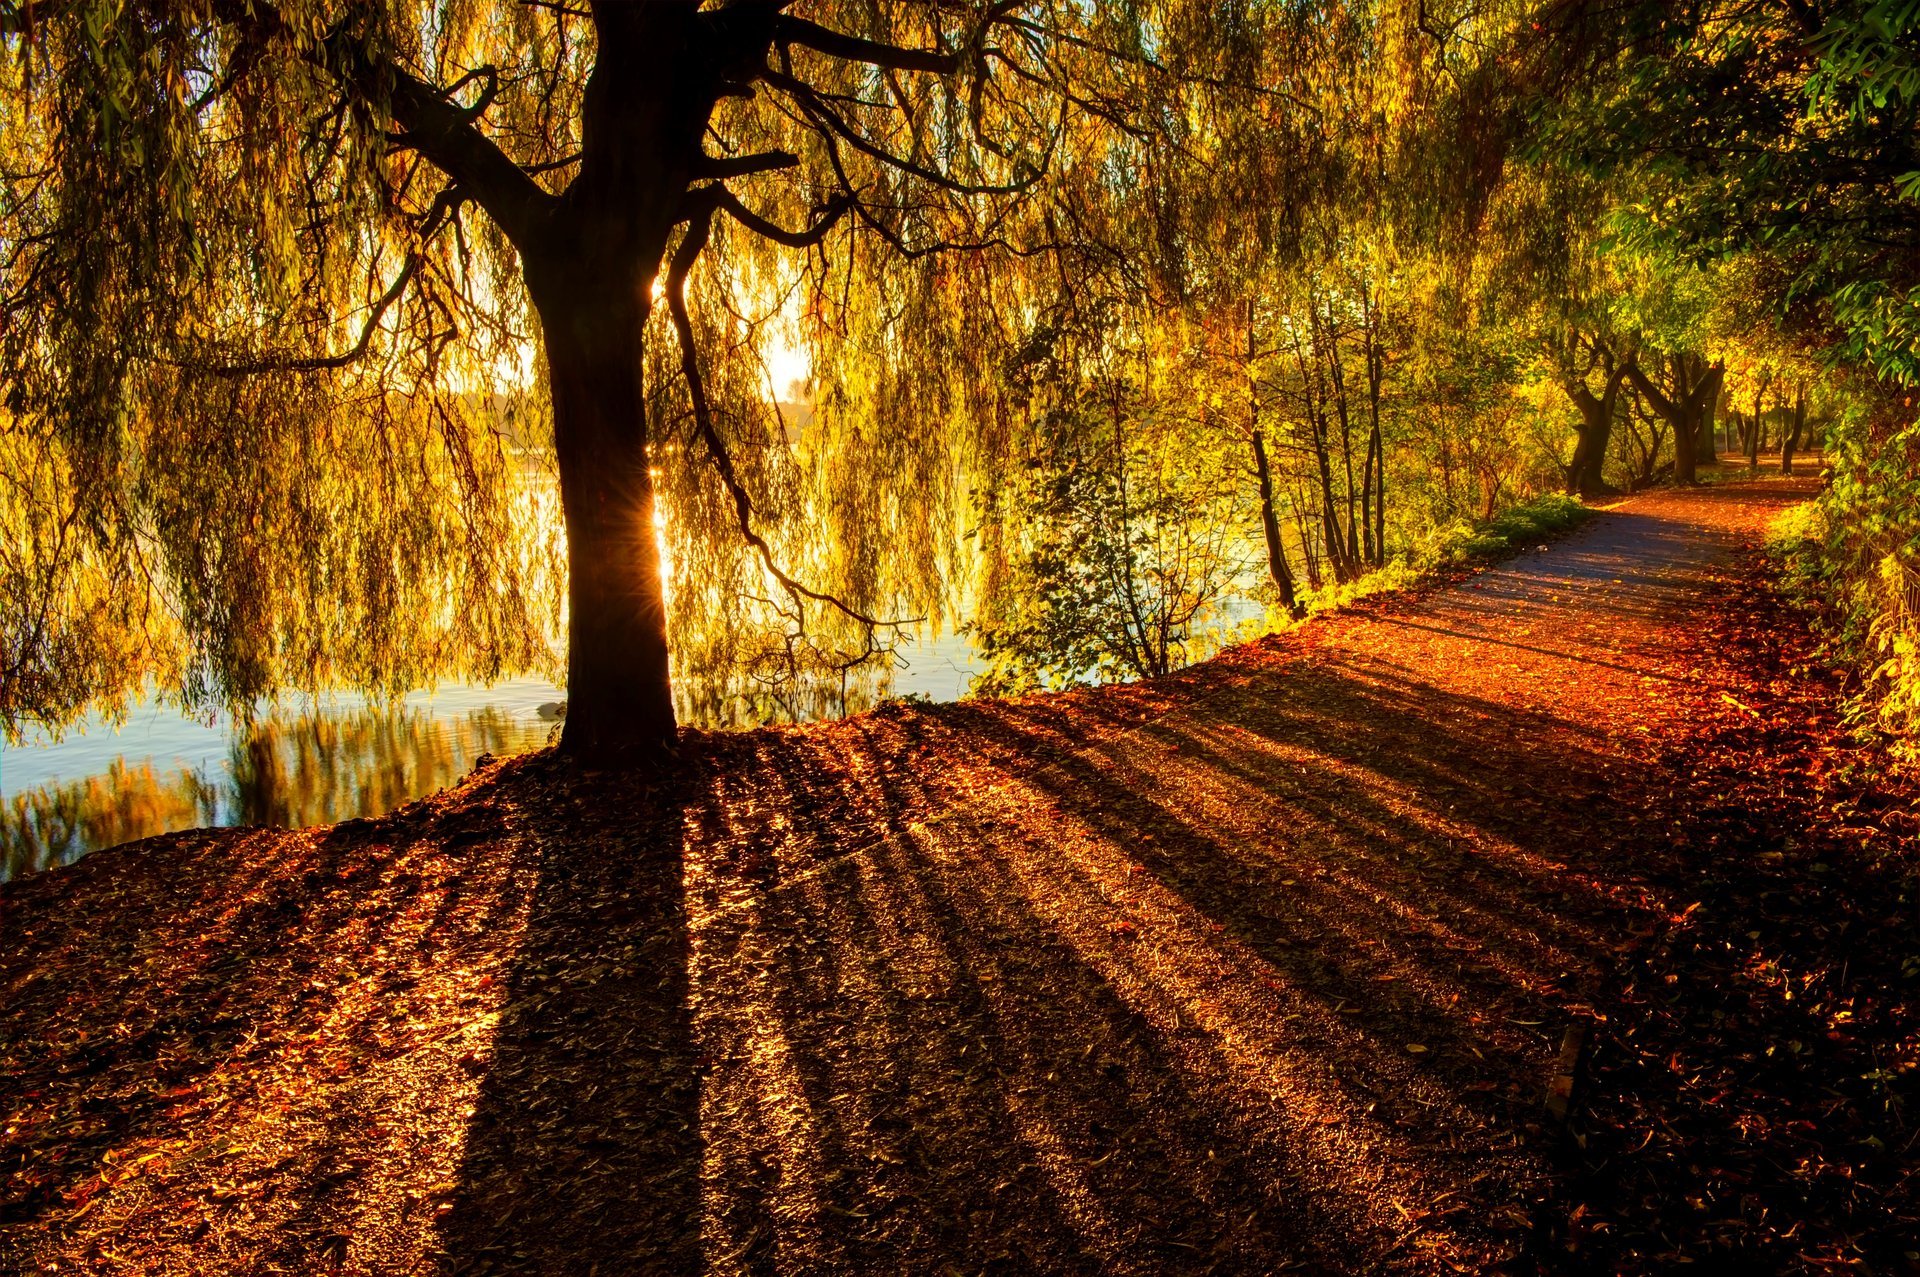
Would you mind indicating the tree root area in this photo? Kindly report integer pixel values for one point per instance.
(1270, 966)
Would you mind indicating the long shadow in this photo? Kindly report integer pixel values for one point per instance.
(1128, 980)
(583, 1150)
(886, 1022)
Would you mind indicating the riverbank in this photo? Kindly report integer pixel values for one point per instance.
(1269, 964)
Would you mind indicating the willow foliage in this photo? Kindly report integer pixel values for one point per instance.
(276, 398)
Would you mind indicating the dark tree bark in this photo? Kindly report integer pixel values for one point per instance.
(1586, 471)
(591, 258)
(620, 692)
(1373, 490)
(1693, 386)
(1270, 524)
(1706, 450)
(1277, 566)
(1333, 539)
(591, 272)
(1758, 424)
(1790, 444)
(1350, 549)
(1309, 557)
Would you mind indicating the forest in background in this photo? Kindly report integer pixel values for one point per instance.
(1136, 315)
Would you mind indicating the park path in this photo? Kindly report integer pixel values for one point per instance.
(1268, 966)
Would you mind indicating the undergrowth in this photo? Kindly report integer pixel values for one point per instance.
(1862, 604)
(1463, 541)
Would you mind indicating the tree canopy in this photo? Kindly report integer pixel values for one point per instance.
(368, 343)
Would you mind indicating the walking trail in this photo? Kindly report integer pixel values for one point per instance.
(1268, 966)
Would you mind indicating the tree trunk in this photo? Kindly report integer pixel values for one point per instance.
(1693, 390)
(1373, 495)
(1586, 476)
(1380, 508)
(1308, 556)
(1707, 451)
(1315, 400)
(1790, 443)
(619, 689)
(1351, 553)
(1270, 524)
(1684, 437)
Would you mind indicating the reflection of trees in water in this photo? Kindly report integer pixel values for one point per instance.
(751, 702)
(55, 824)
(315, 769)
(331, 765)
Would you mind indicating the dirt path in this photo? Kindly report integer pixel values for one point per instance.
(1266, 967)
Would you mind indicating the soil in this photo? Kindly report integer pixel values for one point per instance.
(1545, 919)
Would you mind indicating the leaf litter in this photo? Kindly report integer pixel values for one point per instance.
(1555, 923)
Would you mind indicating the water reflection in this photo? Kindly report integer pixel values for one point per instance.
(163, 772)
(314, 768)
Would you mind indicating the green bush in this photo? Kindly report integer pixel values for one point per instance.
(1527, 524)
(1852, 558)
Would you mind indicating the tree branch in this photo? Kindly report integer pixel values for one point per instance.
(691, 245)
(823, 222)
(444, 133)
(1666, 407)
(723, 167)
(443, 209)
(322, 363)
(826, 120)
(788, 29)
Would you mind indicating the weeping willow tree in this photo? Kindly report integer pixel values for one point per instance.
(302, 300)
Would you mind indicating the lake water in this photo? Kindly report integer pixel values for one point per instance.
(315, 764)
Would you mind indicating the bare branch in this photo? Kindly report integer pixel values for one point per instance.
(443, 210)
(488, 91)
(825, 119)
(723, 167)
(788, 29)
(823, 222)
(446, 135)
(326, 362)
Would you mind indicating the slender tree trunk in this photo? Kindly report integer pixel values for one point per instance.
(1140, 653)
(1316, 418)
(1270, 523)
(1308, 555)
(1380, 508)
(1277, 566)
(1351, 545)
(1329, 511)
(619, 689)
(1374, 504)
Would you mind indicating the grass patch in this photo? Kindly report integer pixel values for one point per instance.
(1530, 523)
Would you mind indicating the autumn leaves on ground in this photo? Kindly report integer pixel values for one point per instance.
(1271, 966)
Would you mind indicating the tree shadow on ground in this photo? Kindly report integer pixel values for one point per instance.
(1080, 985)
(583, 1147)
(142, 980)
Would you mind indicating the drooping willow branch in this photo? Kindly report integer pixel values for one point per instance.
(699, 226)
(442, 211)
